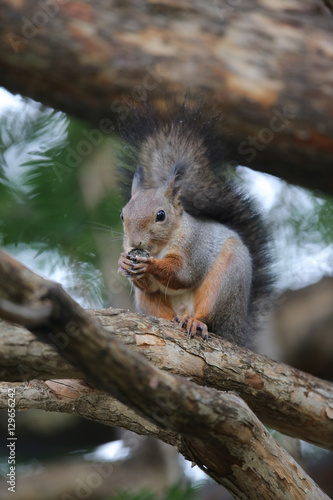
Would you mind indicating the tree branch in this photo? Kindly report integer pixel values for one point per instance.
(79, 398)
(217, 430)
(112, 51)
(284, 399)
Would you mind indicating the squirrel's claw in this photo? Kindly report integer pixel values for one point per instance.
(192, 326)
(133, 268)
(125, 265)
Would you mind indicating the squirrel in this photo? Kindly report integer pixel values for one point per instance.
(201, 248)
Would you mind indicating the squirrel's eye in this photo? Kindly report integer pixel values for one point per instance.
(122, 217)
(160, 216)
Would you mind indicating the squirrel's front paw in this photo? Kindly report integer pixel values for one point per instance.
(134, 267)
(141, 267)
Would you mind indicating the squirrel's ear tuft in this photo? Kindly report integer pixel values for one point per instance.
(174, 181)
(177, 172)
(138, 179)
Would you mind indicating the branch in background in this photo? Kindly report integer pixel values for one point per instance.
(28, 316)
(303, 326)
(112, 51)
(217, 430)
(329, 4)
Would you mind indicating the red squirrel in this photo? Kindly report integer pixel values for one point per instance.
(206, 263)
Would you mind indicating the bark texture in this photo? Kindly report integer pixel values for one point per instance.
(266, 65)
(79, 397)
(283, 398)
(217, 430)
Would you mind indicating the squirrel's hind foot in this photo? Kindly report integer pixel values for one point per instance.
(192, 326)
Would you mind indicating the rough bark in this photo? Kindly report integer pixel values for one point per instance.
(79, 398)
(265, 65)
(217, 430)
(283, 398)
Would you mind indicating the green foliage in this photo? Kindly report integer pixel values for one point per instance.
(41, 203)
(134, 496)
(175, 492)
(41, 200)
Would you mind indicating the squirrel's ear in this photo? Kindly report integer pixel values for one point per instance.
(175, 180)
(138, 179)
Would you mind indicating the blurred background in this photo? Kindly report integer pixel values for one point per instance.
(59, 215)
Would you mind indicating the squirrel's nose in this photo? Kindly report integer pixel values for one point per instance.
(135, 244)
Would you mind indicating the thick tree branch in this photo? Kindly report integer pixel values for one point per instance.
(266, 66)
(285, 399)
(218, 430)
(79, 398)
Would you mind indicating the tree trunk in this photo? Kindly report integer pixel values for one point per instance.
(265, 65)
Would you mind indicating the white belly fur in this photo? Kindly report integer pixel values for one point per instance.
(182, 303)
